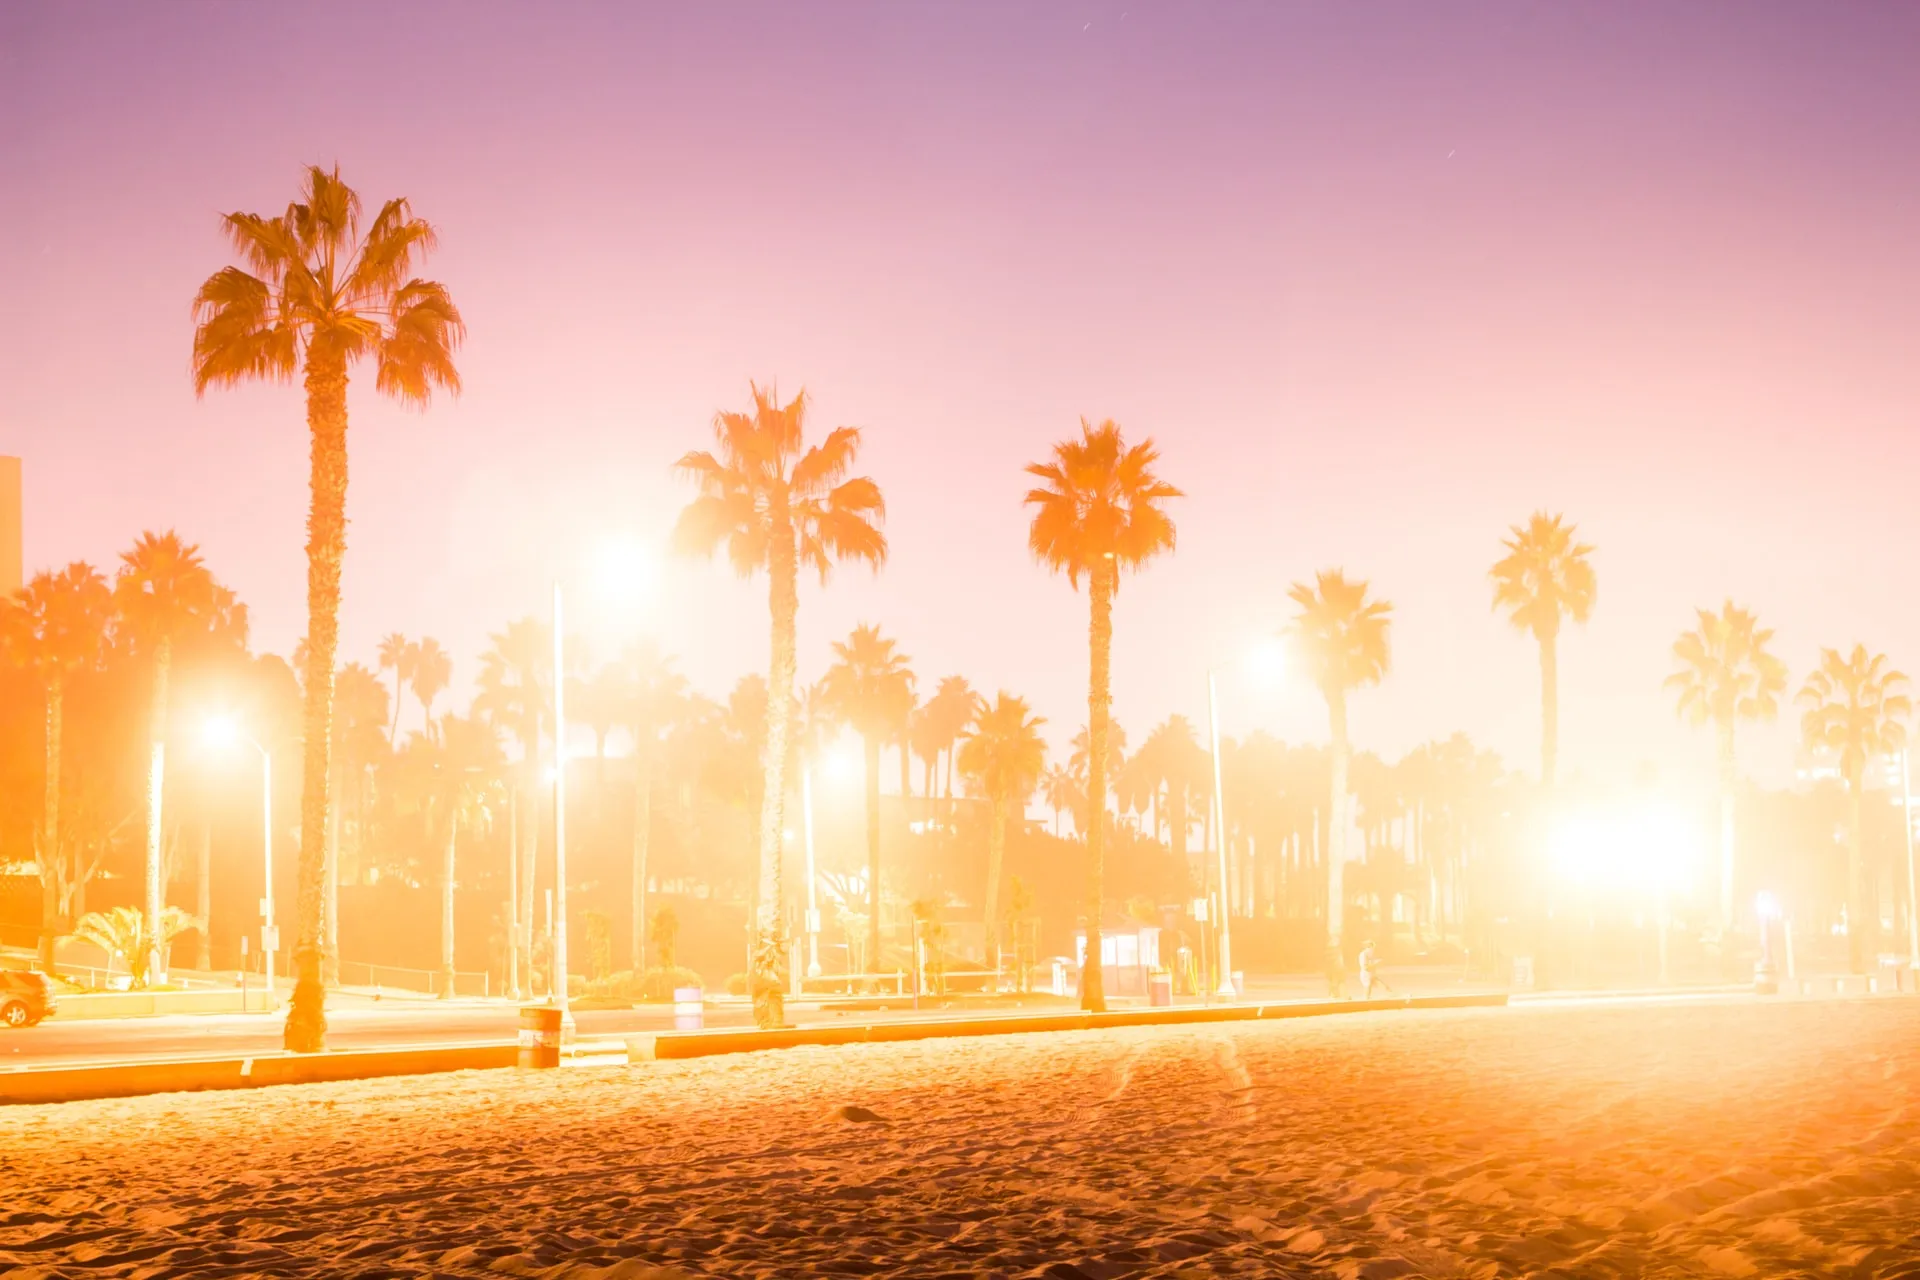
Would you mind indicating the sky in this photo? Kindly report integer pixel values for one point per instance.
(1379, 280)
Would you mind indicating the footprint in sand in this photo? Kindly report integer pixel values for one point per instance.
(859, 1115)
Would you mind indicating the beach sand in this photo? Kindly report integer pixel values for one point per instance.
(1714, 1139)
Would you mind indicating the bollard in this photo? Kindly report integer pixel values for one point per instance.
(689, 1009)
(1159, 989)
(539, 1036)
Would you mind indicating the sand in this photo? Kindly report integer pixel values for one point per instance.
(1709, 1140)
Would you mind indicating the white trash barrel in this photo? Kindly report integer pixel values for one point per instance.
(689, 1009)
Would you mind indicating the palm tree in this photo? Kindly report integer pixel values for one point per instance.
(949, 712)
(1175, 762)
(866, 687)
(163, 590)
(359, 744)
(432, 673)
(777, 505)
(464, 757)
(1100, 508)
(396, 655)
(655, 698)
(516, 694)
(1726, 675)
(1003, 755)
(1544, 577)
(314, 297)
(1856, 708)
(59, 624)
(1057, 785)
(1341, 638)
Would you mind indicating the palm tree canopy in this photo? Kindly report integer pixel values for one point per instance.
(312, 286)
(432, 670)
(1856, 706)
(762, 471)
(58, 622)
(164, 589)
(1544, 576)
(1003, 752)
(869, 685)
(1080, 754)
(516, 681)
(359, 713)
(1340, 635)
(1099, 499)
(1726, 671)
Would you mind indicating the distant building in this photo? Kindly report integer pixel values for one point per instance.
(1810, 767)
(12, 567)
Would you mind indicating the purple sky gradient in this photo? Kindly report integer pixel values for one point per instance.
(1380, 279)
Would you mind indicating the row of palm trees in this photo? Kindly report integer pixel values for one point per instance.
(318, 290)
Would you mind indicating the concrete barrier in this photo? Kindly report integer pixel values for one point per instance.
(184, 1075)
(663, 1045)
(140, 1004)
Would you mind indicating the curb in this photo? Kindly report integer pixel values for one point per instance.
(664, 1045)
(192, 1075)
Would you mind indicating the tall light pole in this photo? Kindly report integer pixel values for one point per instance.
(224, 731)
(1913, 897)
(557, 980)
(813, 909)
(1224, 928)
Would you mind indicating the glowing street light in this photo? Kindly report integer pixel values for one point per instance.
(1268, 663)
(222, 733)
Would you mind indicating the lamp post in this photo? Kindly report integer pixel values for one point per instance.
(557, 980)
(223, 731)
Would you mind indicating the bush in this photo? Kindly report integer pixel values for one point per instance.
(656, 984)
(736, 984)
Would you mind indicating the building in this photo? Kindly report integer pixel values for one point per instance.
(12, 567)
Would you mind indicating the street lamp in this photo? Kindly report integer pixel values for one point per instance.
(1268, 661)
(221, 732)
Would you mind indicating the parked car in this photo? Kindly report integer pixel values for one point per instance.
(26, 996)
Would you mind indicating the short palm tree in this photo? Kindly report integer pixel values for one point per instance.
(317, 293)
(777, 505)
(866, 687)
(1856, 707)
(1099, 509)
(58, 624)
(123, 932)
(655, 700)
(1060, 789)
(1002, 754)
(163, 592)
(1726, 674)
(1341, 638)
(1545, 577)
(516, 694)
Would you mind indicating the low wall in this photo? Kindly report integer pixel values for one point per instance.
(132, 1079)
(700, 1044)
(143, 1004)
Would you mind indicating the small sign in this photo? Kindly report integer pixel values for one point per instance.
(269, 937)
(1200, 909)
(813, 919)
(243, 944)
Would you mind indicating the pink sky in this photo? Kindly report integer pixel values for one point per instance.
(1381, 280)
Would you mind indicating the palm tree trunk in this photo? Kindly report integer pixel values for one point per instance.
(514, 967)
(1549, 707)
(996, 850)
(50, 854)
(1337, 829)
(872, 745)
(330, 886)
(1859, 928)
(203, 892)
(529, 855)
(642, 833)
(446, 903)
(1093, 996)
(306, 1029)
(156, 790)
(1728, 768)
(769, 951)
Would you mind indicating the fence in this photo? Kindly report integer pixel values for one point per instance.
(424, 981)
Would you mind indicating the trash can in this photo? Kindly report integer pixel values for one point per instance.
(689, 1008)
(1159, 989)
(539, 1036)
(1239, 984)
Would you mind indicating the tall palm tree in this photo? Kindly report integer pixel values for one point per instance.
(1099, 509)
(1545, 577)
(359, 744)
(396, 655)
(516, 694)
(866, 687)
(949, 712)
(1856, 707)
(1003, 755)
(432, 673)
(1726, 675)
(163, 592)
(463, 757)
(59, 625)
(656, 698)
(315, 296)
(777, 505)
(1341, 639)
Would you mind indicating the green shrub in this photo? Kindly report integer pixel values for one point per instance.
(736, 984)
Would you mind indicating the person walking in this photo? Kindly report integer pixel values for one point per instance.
(1370, 976)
